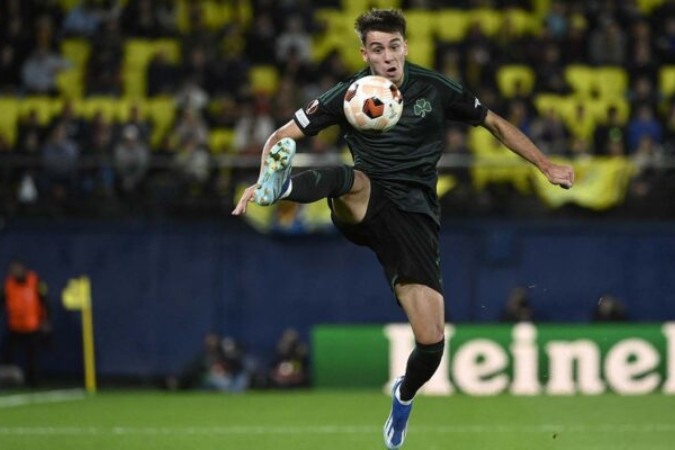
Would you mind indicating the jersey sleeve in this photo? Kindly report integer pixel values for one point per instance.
(464, 106)
(322, 112)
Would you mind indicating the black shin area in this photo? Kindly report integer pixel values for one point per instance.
(313, 185)
(422, 363)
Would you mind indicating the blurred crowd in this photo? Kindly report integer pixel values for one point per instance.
(229, 79)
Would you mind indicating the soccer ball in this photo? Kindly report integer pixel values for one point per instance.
(373, 103)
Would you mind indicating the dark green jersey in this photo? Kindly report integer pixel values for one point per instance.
(403, 160)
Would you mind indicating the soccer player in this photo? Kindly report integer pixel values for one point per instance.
(387, 201)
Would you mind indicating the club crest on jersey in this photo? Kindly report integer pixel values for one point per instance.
(312, 106)
(422, 107)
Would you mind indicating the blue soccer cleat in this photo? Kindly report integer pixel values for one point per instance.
(397, 422)
(276, 176)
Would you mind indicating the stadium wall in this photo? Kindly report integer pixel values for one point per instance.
(158, 287)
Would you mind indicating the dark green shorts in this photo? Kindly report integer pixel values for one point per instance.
(406, 243)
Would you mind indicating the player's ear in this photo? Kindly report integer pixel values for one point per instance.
(405, 48)
(364, 55)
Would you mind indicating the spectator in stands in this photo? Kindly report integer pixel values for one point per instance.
(252, 129)
(294, 38)
(74, 125)
(549, 133)
(198, 35)
(136, 118)
(83, 19)
(573, 47)
(230, 74)
(291, 363)
(669, 128)
(261, 40)
(30, 133)
(148, 18)
(25, 305)
(609, 309)
(193, 165)
(642, 64)
(162, 75)
(449, 62)
(607, 44)
(650, 176)
(460, 195)
(223, 112)
(478, 64)
(40, 70)
(60, 155)
(556, 19)
(644, 123)
(609, 131)
(517, 308)
(643, 91)
(665, 42)
(295, 68)
(518, 114)
(10, 68)
(508, 43)
(190, 123)
(104, 68)
(98, 179)
(550, 72)
(131, 160)
(191, 95)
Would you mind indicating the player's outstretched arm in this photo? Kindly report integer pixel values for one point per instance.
(289, 130)
(519, 143)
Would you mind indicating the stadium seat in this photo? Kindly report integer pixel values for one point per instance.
(76, 51)
(264, 79)
(71, 82)
(45, 107)
(421, 51)
(612, 82)
(354, 7)
(451, 24)
(162, 111)
(581, 120)
(522, 21)
(490, 20)
(220, 140)
(667, 80)
(108, 106)
(646, 6)
(495, 163)
(509, 76)
(599, 108)
(421, 23)
(8, 119)
(559, 103)
(582, 79)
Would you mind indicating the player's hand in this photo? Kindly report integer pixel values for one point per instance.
(246, 197)
(560, 175)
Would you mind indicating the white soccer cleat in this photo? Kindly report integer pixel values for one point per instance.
(276, 176)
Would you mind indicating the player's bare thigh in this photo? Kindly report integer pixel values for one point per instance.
(351, 207)
(425, 310)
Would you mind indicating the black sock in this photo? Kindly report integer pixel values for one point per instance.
(422, 363)
(313, 185)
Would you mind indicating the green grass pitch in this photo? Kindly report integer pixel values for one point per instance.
(314, 420)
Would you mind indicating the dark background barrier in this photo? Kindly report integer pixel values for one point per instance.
(158, 287)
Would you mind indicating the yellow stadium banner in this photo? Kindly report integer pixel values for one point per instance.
(600, 183)
(77, 296)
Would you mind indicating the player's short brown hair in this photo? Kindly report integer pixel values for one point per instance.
(385, 20)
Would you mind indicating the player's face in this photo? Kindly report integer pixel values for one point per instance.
(385, 54)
